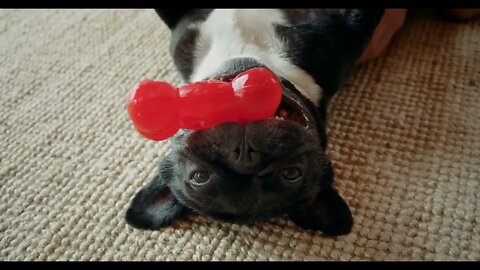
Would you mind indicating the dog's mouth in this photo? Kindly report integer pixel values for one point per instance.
(290, 109)
(293, 110)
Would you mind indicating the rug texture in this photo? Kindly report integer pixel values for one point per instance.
(404, 139)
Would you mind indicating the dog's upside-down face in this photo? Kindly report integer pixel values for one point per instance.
(252, 172)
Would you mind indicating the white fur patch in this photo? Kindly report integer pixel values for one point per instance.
(234, 33)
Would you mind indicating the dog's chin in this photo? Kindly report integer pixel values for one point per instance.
(292, 107)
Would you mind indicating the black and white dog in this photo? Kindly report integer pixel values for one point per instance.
(252, 172)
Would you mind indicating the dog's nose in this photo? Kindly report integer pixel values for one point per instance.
(245, 159)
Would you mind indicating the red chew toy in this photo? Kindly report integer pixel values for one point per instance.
(158, 110)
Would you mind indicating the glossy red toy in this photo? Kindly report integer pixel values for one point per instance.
(158, 110)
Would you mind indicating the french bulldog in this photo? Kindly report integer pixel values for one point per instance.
(247, 173)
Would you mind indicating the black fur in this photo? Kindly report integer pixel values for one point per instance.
(154, 206)
(172, 16)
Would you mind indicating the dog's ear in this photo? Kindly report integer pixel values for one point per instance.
(328, 213)
(171, 16)
(155, 206)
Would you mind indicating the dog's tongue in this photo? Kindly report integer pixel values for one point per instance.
(158, 109)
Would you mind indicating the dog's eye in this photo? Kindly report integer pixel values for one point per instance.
(291, 174)
(201, 177)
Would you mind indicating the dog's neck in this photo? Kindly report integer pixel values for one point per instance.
(227, 34)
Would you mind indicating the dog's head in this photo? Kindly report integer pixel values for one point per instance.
(254, 171)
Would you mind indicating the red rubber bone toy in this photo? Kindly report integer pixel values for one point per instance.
(158, 110)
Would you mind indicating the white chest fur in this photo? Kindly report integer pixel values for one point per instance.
(231, 33)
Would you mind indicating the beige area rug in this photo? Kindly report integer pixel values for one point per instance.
(404, 138)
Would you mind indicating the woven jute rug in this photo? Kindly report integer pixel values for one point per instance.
(404, 139)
